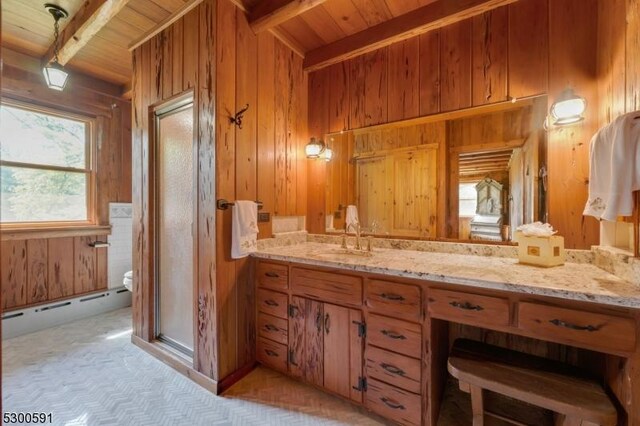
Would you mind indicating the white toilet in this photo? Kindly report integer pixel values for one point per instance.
(128, 280)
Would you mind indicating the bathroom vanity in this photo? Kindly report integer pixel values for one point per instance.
(376, 330)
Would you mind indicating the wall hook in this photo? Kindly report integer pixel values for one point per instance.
(237, 119)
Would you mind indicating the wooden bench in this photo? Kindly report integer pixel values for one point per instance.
(577, 399)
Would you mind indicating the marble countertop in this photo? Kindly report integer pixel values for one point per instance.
(574, 281)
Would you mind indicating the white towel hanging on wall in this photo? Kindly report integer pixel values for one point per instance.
(614, 171)
(244, 228)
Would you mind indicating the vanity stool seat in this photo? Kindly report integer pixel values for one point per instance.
(577, 400)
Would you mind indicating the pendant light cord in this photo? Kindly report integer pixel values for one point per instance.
(56, 34)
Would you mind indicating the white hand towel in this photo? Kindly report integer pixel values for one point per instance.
(614, 168)
(351, 216)
(244, 229)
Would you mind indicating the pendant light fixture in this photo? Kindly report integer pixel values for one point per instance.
(569, 108)
(54, 74)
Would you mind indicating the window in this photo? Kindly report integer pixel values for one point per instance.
(468, 199)
(46, 172)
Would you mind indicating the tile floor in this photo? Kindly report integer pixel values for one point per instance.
(89, 373)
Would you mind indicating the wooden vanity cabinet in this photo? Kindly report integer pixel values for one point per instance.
(383, 343)
(325, 346)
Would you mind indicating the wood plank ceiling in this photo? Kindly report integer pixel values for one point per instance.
(306, 26)
(336, 19)
(28, 28)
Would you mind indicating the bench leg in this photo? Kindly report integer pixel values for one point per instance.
(477, 405)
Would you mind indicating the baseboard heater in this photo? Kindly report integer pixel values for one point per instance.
(28, 320)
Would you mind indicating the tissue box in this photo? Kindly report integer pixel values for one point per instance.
(540, 251)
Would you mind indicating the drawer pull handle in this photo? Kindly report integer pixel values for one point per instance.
(466, 306)
(271, 302)
(271, 327)
(319, 321)
(392, 404)
(327, 323)
(272, 275)
(561, 323)
(392, 297)
(392, 369)
(271, 353)
(393, 335)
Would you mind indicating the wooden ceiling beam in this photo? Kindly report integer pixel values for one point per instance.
(91, 18)
(427, 18)
(266, 15)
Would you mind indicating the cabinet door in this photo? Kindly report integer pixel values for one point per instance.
(342, 351)
(305, 340)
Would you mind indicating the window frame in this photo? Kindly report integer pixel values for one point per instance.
(90, 172)
(460, 183)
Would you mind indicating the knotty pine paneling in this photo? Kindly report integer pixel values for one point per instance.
(455, 66)
(632, 69)
(43, 270)
(403, 64)
(37, 270)
(530, 47)
(339, 96)
(203, 23)
(375, 87)
(60, 272)
(429, 72)
(572, 63)
(489, 35)
(214, 52)
(14, 273)
(528, 50)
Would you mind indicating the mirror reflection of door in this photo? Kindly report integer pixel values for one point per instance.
(417, 178)
(174, 221)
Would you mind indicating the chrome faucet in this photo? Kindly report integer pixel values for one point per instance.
(356, 227)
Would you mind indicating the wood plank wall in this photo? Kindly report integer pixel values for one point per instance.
(527, 48)
(213, 51)
(38, 270)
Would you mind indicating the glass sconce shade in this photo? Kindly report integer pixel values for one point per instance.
(55, 76)
(314, 148)
(568, 109)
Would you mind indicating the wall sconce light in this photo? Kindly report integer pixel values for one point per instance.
(54, 74)
(315, 148)
(568, 109)
(328, 154)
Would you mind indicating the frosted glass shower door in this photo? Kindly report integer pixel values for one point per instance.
(174, 237)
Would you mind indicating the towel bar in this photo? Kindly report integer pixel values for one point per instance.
(223, 204)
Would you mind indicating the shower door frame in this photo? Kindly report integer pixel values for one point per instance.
(174, 104)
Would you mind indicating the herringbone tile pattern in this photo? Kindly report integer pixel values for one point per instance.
(89, 373)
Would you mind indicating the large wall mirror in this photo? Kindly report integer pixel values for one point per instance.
(472, 175)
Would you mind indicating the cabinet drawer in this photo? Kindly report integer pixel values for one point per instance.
(272, 303)
(579, 328)
(394, 299)
(393, 403)
(272, 354)
(395, 335)
(468, 308)
(392, 368)
(272, 275)
(327, 286)
(272, 328)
